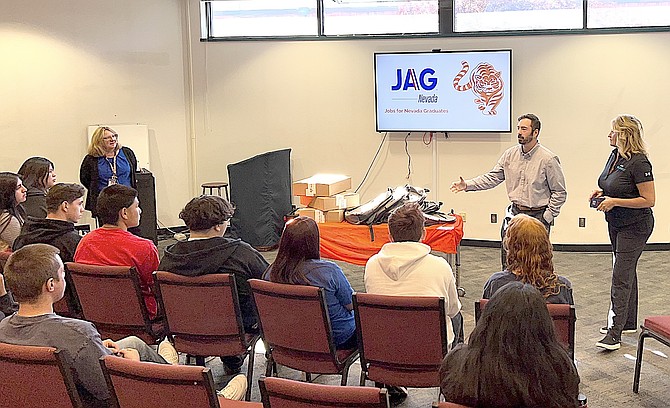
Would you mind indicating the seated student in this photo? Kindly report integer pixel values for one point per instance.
(207, 252)
(12, 194)
(405, 266)
(38, 176)
(299, 262)
(64, 206)
(119, 209)
(529, 260)
(36, 276)
(512, 358)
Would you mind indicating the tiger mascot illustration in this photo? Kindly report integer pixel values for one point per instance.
(486, 83)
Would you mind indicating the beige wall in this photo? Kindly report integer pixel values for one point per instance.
(317, 97)
(67, 65)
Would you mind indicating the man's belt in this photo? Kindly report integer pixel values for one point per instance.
(524, 208)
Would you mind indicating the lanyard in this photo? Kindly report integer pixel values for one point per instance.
(114, 179)
(112, 167)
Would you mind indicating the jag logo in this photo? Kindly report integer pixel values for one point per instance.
(425, 81)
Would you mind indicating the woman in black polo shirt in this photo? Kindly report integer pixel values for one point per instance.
(627, 193)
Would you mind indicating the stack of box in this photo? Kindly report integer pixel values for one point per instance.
(325, 197)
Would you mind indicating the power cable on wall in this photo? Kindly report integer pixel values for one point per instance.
(372, 163)
(409, 157)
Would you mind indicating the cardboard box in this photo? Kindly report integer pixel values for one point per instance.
(334, 216)
(325, 203)
(351, 200)
(337, 202)
(322, 185)
(313, 213)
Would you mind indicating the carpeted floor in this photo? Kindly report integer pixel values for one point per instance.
(606, 376)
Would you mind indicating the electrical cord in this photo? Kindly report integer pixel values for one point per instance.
(409, 157)
(372, 163)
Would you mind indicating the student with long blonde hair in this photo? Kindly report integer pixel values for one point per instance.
(530, 260)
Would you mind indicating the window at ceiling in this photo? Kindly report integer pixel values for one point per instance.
(346, 17)
(267, 19)
(509, 15)
(263, 18)
(628, 13)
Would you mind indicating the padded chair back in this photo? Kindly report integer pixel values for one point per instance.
(69, 305)
(295, 325)
(402, 339)
(111, 298)
(283, 393)
(35, 377)
(62, 308)
(204, 316)
(136, 384)
(563, 316)
(448, 405)
(656, 327)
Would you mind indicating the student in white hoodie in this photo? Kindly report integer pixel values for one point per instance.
(405, 266)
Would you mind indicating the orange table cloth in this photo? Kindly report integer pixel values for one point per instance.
(351, 243)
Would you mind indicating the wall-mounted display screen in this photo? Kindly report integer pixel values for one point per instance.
(464, 91)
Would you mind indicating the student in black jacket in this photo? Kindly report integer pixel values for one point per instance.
(208, 252)
(64, 203)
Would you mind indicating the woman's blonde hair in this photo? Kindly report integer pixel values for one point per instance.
(95, 149)
(629, 133)
(529, 254)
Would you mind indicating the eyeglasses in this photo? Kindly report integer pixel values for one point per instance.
(114, 136)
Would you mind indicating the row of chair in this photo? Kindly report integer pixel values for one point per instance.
(135, 384)
(563, 317)
(203, 316)
(198, 313)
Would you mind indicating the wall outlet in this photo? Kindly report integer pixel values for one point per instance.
(582, 222)
(463, 215)
(494, 218)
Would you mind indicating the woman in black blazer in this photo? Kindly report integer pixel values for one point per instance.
(106, 163)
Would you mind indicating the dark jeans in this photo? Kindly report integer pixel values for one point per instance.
(459, 335)
(352, 342)
(510, 212)
(627, 245)
(233, 364)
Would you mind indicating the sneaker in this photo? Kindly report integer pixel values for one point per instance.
(168, 352)
(235, 389)
(604, 330)
(609, 343)
(396, 394)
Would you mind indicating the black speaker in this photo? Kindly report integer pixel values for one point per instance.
(146, 193)
(260, 189)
